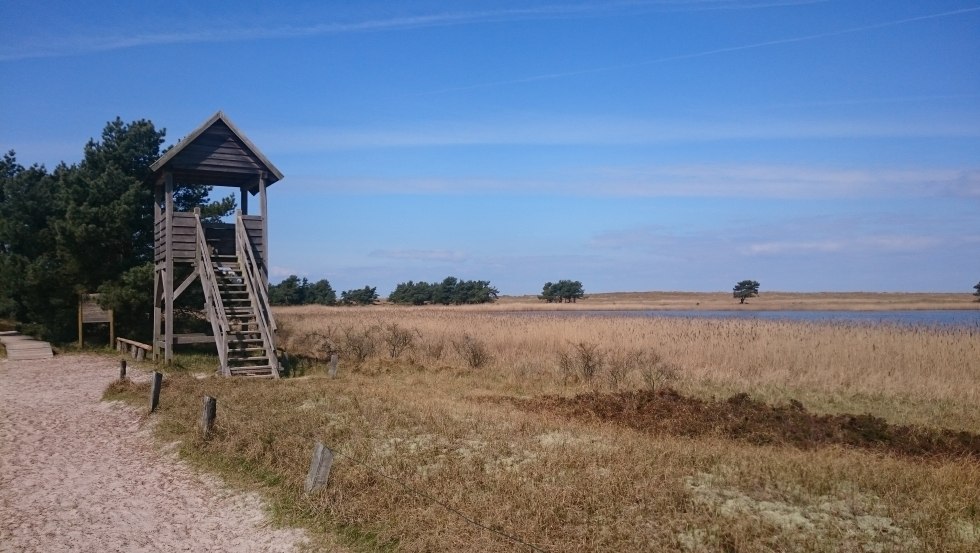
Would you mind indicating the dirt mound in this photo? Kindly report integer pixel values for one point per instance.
(744, 419)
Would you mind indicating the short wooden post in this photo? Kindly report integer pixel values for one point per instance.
(81, 322)
(122, 369)
(155, 391)
(334, 358)
(319, 467)
(208, 415)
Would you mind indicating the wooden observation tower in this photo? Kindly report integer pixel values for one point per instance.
(230, 260)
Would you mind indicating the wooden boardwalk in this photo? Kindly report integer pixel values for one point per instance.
(23, 348)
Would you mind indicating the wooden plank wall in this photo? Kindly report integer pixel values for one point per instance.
(220, 235)
(184, 239)
(253, 227)
(217, 150)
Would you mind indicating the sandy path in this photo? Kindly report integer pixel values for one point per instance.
(79, 474)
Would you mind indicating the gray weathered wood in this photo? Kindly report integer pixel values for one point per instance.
(132, 344)
(208, 414)
(168, 283)
(122, 369)
(25, 348)
(195, 338)
(157, 311)
(265, 230)
(334, 358)
(319, 467)
(244, 200)
(217, 146)
(216, 153)
(183, 285)
(155, 391)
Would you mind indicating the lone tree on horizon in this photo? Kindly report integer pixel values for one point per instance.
(745, 289)
(977, 293)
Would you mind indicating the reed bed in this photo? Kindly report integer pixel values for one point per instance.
(908, 375)
(426, 400)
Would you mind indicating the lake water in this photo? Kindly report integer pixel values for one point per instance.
(932, 318)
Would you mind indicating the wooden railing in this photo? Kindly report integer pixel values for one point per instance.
(257, 291)
(212, 296)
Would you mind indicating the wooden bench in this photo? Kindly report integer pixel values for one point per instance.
(137, 349)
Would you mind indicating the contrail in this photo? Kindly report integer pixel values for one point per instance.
(450, 19)
(704, 53)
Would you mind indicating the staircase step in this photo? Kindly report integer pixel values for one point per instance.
(258, 353)
(249, 359)
(250, 371)
(251, 368)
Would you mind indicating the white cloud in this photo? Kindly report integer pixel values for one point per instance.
(283, 272)
(447, 256)
(597, 131)
(696, 181)
(862, 244)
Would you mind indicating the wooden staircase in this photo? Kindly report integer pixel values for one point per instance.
(237, 305)
(246, 352)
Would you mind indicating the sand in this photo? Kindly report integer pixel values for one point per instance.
(80, 474)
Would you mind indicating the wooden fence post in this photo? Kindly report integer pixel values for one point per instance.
(319, 467)
(122, 369)
(155, 391)
(208, 415)
(333, 365)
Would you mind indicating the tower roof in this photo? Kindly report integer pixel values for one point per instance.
(217, 154)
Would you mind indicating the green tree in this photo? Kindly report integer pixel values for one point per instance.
(32, 280)
(293, 291)
(412, 293)
(977, 293)
(287, 292)
(451, 291)
(745, 289)
(563, 290)
(320, 293)
(364, 296)
(86, 227)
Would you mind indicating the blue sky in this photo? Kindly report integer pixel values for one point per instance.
(661, 145)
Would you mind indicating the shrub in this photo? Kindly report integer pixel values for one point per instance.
(358, 344)
(585, 361)
(473, 351)
(397, 339)
(658, 374)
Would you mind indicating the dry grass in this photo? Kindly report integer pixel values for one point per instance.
(722, 301)
(907, 375)
(420, 414)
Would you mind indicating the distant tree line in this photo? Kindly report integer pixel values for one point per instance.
(451, 291)
(362, 296)
(293, 291)
(562, 291)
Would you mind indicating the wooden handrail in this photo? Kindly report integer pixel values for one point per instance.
(255, 285)
(212, 296)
